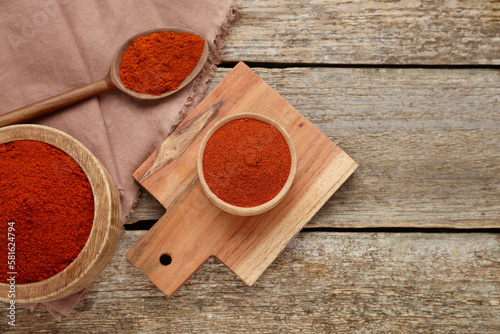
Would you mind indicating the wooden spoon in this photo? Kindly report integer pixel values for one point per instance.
(109, 82)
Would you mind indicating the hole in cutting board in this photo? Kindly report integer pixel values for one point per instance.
(165, 259)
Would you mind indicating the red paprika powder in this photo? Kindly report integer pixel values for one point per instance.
(160, 62)
(47, 199)
(246, 162)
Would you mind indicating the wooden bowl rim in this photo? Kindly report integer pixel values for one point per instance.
(255, 210)
(114, 70)
(60, 285)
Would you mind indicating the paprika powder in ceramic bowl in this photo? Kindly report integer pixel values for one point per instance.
(246, 164)
(60, 215)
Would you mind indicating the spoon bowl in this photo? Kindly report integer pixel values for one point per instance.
(109, 82)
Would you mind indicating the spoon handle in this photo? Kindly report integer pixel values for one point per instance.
(56, 102)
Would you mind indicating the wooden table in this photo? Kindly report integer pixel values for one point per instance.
(410, 90)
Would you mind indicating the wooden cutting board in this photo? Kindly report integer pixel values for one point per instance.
(193, 228)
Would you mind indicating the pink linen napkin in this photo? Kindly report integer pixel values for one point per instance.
(49, 47)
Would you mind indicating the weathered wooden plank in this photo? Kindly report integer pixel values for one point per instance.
(146, 208)
(426, 141)
(322, 282)
(367, 32)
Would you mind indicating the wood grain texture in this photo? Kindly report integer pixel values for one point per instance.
(426, 139)
(194, 228)
(367, 32)
(323, 282)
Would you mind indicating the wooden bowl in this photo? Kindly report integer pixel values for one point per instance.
(255, 210)
(106, 228)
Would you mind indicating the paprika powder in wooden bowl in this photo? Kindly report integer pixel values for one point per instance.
(60, 215)
(246, 164)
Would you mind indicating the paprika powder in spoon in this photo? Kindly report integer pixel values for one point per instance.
(162, 74)
(160, 62)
